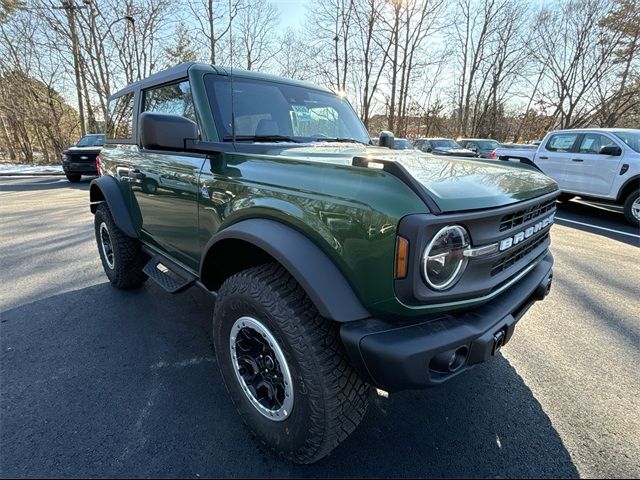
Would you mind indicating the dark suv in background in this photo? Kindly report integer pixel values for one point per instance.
(81, 158)
(442, 146)
(482, 147)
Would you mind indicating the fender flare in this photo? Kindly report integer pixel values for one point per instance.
(635, 179)
(106, 189)
(318, 275)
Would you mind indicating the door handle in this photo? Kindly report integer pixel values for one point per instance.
(543, 158)
(577, 160)
(137, 174)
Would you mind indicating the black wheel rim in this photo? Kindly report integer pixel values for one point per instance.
(261, 368)
(107, 246)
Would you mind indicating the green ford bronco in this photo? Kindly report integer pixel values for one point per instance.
(337, 266)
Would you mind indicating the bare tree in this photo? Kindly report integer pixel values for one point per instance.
(213, 19)
(577, 54)
(253, 33)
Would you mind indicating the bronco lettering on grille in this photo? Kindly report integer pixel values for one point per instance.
(523, 235)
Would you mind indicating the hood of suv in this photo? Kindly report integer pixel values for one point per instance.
(74, 149)
(454, 184)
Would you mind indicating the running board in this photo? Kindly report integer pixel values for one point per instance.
(171, 277)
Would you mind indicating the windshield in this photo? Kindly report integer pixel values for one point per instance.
(277, 111)
(91, 141)
(632, 139)
(445, 144)
(402, 144)
(488, 145)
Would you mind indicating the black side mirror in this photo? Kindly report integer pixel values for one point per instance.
(159, 131)
(386, 139)
(612, 150)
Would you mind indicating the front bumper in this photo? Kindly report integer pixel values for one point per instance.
(85, 168)
(398, 357)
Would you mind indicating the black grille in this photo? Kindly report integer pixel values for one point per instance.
(514, 219)
(517, 255)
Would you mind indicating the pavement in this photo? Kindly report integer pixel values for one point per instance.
(106, 383)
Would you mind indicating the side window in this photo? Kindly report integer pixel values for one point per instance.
(120, 117)
(561, 142)
(174, 99)
(593, 142)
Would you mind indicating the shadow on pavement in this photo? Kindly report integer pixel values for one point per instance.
(596, 217)
(101, 382)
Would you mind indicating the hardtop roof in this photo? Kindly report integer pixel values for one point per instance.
(181, 71)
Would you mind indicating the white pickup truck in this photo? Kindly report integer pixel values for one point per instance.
(597, 163)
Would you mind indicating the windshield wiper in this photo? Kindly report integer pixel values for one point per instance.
(260, 138)
(338, 139)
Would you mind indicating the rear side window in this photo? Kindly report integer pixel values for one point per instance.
(593, 142)
(173, 99)
(120, 117)
(561, 142)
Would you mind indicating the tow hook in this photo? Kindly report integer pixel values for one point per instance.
(498, 341)
(544, 288)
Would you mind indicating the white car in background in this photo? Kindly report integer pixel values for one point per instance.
(594, 163)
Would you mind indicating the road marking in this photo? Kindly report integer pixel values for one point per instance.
(599, 228)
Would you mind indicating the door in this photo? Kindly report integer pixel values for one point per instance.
(555, 158)
(591, 172)
(165, 184)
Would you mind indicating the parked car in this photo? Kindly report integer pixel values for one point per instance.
(593, 163)
(402, 144)
(81, 158)
(482, 147)
(337, 266)
(442, 146)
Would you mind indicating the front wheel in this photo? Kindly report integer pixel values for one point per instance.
(632, 208)
(284, 365)
(73, 178)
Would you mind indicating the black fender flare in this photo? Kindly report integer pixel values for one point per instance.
(629, 183)
(318, 275)
(106, 189)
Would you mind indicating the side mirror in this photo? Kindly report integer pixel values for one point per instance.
(159, 131)
(612, 150)
(386, 139)
(429, 149)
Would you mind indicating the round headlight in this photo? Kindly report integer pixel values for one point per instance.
(444, 261)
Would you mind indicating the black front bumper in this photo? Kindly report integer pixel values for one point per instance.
(398, 357)
(84, 168)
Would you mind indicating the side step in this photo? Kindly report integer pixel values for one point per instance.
(171, 277)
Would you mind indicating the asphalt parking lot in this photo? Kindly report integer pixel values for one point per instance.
(100, 382)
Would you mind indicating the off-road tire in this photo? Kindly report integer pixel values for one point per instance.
(73, 178)
(628, 204)
(330, 398)
(128, 257)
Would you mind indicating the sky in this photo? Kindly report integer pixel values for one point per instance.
(292, 12)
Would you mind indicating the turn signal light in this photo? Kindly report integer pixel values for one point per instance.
(98, 165)
(402, 257)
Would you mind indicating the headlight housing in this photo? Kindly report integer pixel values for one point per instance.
(443, 261)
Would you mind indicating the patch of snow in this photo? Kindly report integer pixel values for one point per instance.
(22, 168)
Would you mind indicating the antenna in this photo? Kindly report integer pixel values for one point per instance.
(233, 110)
